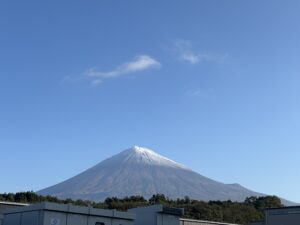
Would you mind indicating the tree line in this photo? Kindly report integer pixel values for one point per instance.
(252, 209)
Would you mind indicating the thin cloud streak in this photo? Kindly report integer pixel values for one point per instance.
(140, 63)
(186, 53)
(208, 94)
(193, 58)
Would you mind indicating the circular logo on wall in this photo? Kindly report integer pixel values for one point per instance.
(55, 221)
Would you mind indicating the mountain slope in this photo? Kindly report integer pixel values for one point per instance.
(140, 171)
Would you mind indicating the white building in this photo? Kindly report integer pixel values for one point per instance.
(157, 215)
(60, 214)
(161, 215)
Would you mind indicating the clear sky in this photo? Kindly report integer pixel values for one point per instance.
(212, 84)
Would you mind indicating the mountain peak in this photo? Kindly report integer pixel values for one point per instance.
(141, 171)
(142, 155)
(140, 150)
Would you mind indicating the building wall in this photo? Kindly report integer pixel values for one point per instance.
(144, 217)
(156, 215)
(59, 218)
(30, 218)
(165, 219)
(12, 219)
(8, 205)
(283, 216)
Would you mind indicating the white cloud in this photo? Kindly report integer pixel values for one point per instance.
(193, 58)
(96, 82)
(140, 63)
(190, 57)
(185, 52)
(70, 79)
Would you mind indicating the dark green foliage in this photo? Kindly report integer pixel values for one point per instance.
(158, 199)
(226, 211)
(125, 203)
(263, 203)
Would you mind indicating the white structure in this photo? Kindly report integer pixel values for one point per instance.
(59, 214)
(157, 215)
(201, 222)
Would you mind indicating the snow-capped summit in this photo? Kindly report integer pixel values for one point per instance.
(140, 150)
(144, 155)
(141, 171)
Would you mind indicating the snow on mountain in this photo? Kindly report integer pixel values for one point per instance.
(142, 155)
(141, 171)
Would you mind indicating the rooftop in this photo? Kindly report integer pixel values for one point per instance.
(13, 203)
(68, 208)
(285, 207)
(206, 222)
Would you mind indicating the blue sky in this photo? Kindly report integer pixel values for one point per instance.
(212, 84)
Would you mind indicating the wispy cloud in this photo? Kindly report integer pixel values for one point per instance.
(202, 93)
(138, 64)
(95, 77)
(193, 58)
(186, 52)
(96, 82)
(70, 79)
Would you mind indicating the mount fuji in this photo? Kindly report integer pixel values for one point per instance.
(141, 171)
